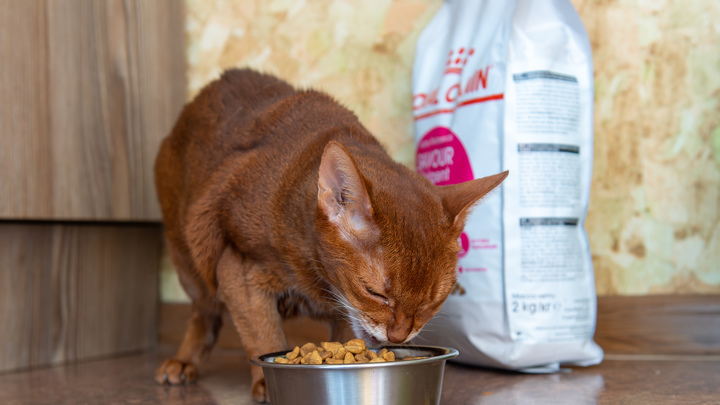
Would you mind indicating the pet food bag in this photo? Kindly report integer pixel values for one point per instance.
(508, 85)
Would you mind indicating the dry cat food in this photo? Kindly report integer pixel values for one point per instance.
(352, 352)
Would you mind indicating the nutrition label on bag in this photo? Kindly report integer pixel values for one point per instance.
(546, 254)
(550, 251)
(538, 305)
(547, 102)
(549, 174)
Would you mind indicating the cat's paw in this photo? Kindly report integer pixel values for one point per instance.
(175, 372)
(260, 391)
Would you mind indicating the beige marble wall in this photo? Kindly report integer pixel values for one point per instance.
(361, 52)
(653, 219)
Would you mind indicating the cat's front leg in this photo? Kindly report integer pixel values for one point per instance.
(242, 286)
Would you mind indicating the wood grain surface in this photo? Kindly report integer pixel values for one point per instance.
(225, 379)
(88, 89)
(658, 325)
(71, 292)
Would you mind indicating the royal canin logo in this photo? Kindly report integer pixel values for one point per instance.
(455, 62)
(451, 91)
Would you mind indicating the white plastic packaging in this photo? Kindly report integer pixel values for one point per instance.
(508, 85)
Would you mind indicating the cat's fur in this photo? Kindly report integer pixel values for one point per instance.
(278, 201)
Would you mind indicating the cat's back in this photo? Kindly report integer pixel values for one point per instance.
(218, 121)
(256, 126)
(214, 125)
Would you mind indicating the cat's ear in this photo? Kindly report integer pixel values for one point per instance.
(458, 199)
(342, 194)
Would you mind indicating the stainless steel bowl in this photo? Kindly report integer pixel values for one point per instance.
(409, 382)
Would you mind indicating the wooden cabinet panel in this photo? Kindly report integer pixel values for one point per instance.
(70, 292)
(88, 89)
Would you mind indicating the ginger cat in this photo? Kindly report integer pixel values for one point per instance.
(278, 202)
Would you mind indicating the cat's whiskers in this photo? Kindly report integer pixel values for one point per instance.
(439, 314)
(349, 313)
(431, 325)
(425, 328)
(419, 338)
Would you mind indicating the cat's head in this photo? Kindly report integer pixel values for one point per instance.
(389, 242)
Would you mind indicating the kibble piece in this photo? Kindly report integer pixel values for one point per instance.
(389, 356)
(349, 358)
(340, 353)
(370, 354)
(293, 354)
(360, 358)
(356, 342)
(281, 360)
(314, 358)
(325, 354)
(332, 347)
(297, 360)
(354, 349)
(377, 360)
(333, 361)
(307, 348)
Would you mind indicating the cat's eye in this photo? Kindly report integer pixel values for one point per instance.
(376, 294)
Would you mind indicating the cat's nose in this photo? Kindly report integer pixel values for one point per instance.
(396, 336)
(399, 329)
